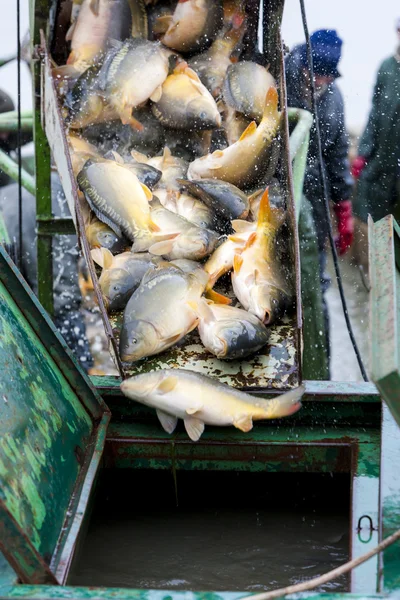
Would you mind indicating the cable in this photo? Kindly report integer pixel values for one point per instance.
(20, 243)
(325, 190)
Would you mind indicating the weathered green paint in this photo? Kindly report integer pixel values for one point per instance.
(50, 446)
(390, 501)
(38, 12)
(38, 592)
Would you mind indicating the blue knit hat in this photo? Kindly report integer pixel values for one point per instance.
(326, 51)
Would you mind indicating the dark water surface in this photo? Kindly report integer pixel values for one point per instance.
(230, 531)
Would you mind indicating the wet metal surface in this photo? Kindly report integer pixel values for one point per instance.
(274, 366)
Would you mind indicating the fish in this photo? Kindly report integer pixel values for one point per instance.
(221, 260)
(193, 25)
(233, 123)
(211, 66)
(158, 315)
(186, 206)
(113, 135)
(96, 24)
(121, 275)
(223, 197)
(117, 198)
(171, 167)
(159, 9)
(228, 332)
(85, 105)
(190, 146)
(187, 266)
(80, 152)
(200, 400)
(100, 235)
(252, 157)
(245, 88)
(258, 278)
(275, 198)
(146, 174)
(185, 103)
(182, 238)
(133, 72)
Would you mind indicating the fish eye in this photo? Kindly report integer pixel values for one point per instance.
(116, 288)
(203, 115)
(134, 341)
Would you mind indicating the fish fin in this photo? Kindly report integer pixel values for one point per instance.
(154, 228)
(282, 406)
(238, 239)
(173, 339)
(251, 240)
(103, 257)
(162, 248)
(168, 384)
(149, 196)
(264, 212)
(65, 72)
(192, 410)
(237, 263)
(202, 309)
(70, 32)
(244, 423)
(134, 123)
(162, 24)
(166, 153)
(217, 298)
(240, 226)
(194, 428)
(168, 422)
(139, 157)
(217, 153)
(254, 195)
(156, 95)
(271, 104)
(181, 67)
(95, 7)
(193, 75)
(250, 129)
(113, 155)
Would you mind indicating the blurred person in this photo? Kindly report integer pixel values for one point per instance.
(326, 52)
(377, 166)
(67, 297)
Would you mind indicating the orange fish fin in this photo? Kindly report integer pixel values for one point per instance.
(251, 240)
(237, 263)
(217, 298)
(149, 197)
(264, 212)
(153, 227)
(250, 129)
(134, 123)
(271, 104)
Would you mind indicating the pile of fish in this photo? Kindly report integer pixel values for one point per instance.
(174, 143)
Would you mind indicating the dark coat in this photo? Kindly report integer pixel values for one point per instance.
(334, 139)
(377, 189)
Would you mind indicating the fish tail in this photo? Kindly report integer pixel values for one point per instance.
(271, 111)
(283, 406)
(269, 215)
(217, 298)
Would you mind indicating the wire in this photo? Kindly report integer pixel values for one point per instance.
(20, 243)
(325, 193)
